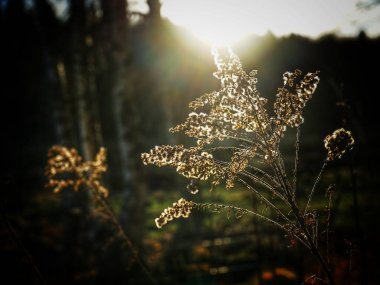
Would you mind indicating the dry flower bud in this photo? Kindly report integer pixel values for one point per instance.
(338, 143)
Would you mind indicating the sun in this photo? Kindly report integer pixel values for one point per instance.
(219, 22)
(223, 22)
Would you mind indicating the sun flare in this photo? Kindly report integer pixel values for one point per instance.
(223, 22)
(216, 22)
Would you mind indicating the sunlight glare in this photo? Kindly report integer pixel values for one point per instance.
(216, 22)
(223, 22)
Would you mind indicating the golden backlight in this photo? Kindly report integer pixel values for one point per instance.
(216, 22)
(223, 22)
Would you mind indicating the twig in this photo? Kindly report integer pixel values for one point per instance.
(314, 186)
(246, 211)
(120, 229)
(301, 220)
(296, 159)
(329, 193)
(313, 277)
(271, 188)
(277, 210)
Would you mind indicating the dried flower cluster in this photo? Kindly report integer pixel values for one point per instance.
(338, 143)
(65, 169)
(236, 112)
(291, 99)
(189, 162)
(181, 208)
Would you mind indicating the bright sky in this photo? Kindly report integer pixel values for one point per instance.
(225, 21)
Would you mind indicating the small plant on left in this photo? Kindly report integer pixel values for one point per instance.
(66, 170)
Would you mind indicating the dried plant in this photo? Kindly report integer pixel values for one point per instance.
(66, 170)
(237, 112)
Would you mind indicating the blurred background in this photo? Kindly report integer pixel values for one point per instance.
(118, 74)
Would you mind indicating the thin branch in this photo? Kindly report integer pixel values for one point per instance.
(281, 162)
(313, 277)
(264, 199)
(281, 178)
(120, 229)
(257, 144)
(314, 186)
(265, 174)
(296, 159)
(301, 220)
(253, 177)
(329, 193)
(257, 179)
(273, 189)
(246, 211)
(239, 210)
(217, 148)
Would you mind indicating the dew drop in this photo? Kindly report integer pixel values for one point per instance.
(192, 187)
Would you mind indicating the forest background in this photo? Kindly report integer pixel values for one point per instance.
(103, 75)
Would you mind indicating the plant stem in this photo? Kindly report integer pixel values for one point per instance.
(246, 211)
(312, 245)
(329, 193)
(120, 230)
(296, 161)
(314, 186)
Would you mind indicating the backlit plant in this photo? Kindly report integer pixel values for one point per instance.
(237, 113)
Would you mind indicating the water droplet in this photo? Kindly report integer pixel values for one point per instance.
(192, 187)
